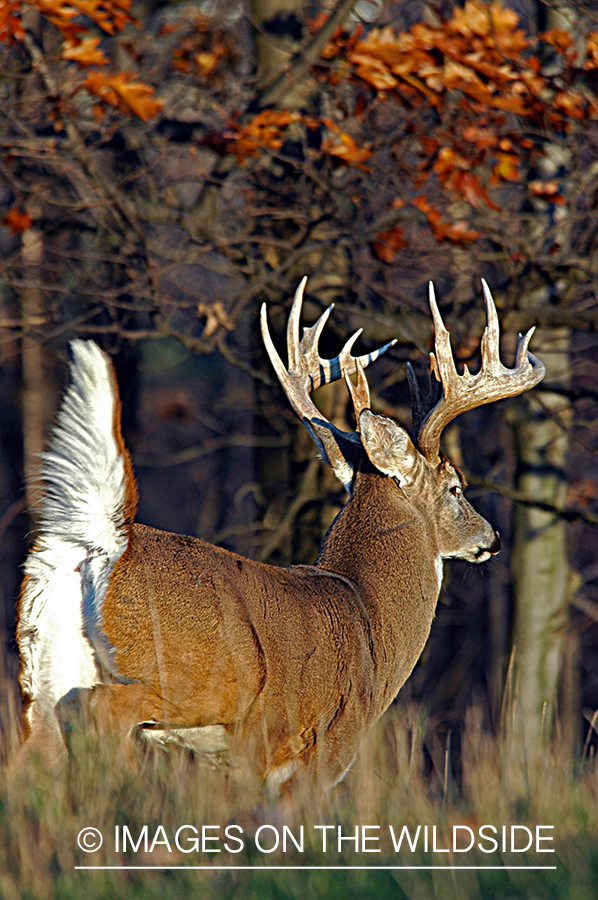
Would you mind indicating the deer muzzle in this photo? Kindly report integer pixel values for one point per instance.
(484, 553)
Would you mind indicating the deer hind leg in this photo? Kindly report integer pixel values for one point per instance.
(117, 709)
(138, 717)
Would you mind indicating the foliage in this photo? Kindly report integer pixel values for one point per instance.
(153, 198)
(73, 19)
(478, 83)
(475, 106)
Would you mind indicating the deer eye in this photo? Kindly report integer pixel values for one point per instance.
(456, 490)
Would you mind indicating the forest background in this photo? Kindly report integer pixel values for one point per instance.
(166, 167)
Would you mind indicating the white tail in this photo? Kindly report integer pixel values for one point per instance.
(176, 640)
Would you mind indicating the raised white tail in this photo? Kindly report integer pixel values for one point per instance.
(180, 641)
(84, 526)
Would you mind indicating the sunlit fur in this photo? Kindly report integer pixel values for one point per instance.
(83, 530)
(174, 640)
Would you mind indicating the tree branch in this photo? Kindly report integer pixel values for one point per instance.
(304, 58)
(569, 513)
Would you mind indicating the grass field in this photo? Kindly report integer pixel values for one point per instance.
(42, 814)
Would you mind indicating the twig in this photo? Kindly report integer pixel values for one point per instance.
(190, 454)
(569, 513)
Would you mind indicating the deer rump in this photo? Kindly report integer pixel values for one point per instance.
(177, 641)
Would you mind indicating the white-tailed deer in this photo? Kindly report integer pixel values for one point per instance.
(176, 640)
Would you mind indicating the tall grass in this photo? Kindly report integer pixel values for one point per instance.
(41, 814)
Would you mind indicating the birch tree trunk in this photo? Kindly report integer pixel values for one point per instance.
(542, 577)
(543, 581)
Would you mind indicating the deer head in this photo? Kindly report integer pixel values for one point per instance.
(422, 471)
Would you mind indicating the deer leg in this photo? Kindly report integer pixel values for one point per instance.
(117, 709)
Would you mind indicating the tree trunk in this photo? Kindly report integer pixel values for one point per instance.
(543, 581)
(36, 394)
(278, 29)
(541, 572)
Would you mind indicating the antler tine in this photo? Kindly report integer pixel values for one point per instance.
(283, 375)
(521, 351)
(369, 358)
(463, 392)
(293, 347)
(490, 344)
(311, 335)
(441, 361)
(360, 393)
(344, 361)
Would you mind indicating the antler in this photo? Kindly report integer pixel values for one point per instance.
(307, 371)
(453, 394)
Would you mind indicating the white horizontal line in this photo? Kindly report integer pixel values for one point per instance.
(299, 868)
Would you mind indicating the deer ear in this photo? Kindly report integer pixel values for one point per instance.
(388, 446)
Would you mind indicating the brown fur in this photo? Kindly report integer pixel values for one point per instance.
(296, 663)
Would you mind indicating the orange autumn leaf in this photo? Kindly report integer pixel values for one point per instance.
(469, 186)
(592, 51)
(474, 191)
(374, 71)
(137, 96)
(433, 215)
(61, 15)
(17, 220)
(343, 146)
(459, 232)
(207, 60)
(124, 92)
(458, 76)
(263, 131)
(483, 138)
(388, 243)
(546, 190)
(85, 51)
(449, 159)
(423, 204)
(506, 167)
(109, 15)
(472, 19)
(512, 43)
(558, 38)
(453, 231)
(318, 22)
(483, 19)
(509, 103)
(571, 102)
(10, 23)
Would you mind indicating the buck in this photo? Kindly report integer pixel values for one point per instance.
(171, 639)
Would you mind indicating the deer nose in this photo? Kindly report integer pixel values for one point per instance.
(495, 544)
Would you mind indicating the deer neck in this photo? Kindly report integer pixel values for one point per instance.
(388, 547)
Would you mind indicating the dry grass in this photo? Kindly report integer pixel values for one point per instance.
(41, 815)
